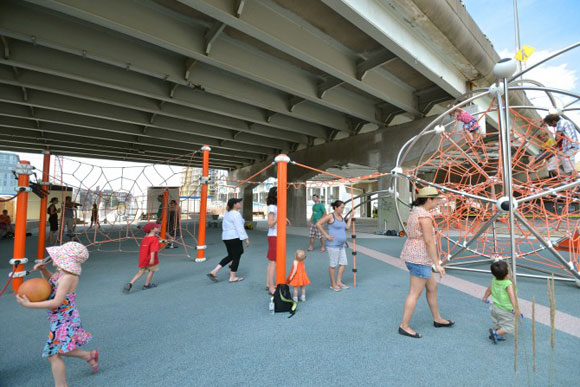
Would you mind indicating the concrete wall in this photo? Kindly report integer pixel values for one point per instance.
(377, 150)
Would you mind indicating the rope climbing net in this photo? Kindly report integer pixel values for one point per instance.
(111, 203)
(476, 172)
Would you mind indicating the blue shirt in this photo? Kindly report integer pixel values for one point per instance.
(337, 229)
(568, 130)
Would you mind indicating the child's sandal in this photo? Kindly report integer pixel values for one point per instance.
(94, 357)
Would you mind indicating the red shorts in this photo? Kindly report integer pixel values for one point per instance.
(271, 255)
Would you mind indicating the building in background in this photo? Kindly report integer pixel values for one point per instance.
(8, 183)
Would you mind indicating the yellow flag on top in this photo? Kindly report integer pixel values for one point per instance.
(524, 53)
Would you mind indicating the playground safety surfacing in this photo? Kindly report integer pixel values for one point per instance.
(192, 332)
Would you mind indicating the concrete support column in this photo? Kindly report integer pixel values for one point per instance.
(387, 210)
(297, 206)
(248, 203)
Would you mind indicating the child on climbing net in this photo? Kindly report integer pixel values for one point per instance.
(148, 257)
(503, 295)
(470, 124)
(66, 332)
(298, 277)
(548, 147)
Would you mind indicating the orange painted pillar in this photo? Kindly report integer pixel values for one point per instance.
(43, 207)
(281, 217)
(203, 205)
(24, 170)
(163, 233)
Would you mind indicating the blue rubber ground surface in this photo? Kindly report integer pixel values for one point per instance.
(192, 332)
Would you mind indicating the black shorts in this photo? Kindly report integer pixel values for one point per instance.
(53, 222)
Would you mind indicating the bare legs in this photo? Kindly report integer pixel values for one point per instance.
(337, 284)
(140, 274)
(59, 368)
(311, 245)
(416, 286)
(233, 275)
(271, 276)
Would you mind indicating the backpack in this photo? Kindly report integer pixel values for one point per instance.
(283, 301)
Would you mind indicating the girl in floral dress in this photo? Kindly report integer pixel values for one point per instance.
(66, 332)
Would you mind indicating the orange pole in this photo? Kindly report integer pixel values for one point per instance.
(163, 233)
(353, 235)
(282, 161)
(24, 169)
(203, 205)
(43, 207)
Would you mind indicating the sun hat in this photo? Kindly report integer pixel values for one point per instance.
(233, 201)
(69, 256)
(427, 192)
(149, 227)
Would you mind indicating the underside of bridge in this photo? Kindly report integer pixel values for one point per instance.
(153, 80)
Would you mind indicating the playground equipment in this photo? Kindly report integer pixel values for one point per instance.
(497, 203)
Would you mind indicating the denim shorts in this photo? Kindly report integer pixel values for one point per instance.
(421, 271)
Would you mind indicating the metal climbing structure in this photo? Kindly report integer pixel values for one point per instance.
(499, 201)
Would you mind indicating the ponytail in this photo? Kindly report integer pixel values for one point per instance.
(419, 202)
(336, 204)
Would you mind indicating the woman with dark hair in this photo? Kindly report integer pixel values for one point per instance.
(173, 223)
(272, 218)
(233, 233)
(336, 237)
(420, 254)
(53, 212)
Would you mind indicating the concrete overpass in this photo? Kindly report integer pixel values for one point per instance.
(147, 80)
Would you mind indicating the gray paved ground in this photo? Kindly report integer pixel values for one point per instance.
(193, 332)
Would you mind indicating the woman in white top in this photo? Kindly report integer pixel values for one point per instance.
(272, 211)
(233, 233)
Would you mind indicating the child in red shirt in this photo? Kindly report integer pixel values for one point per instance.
(148, 258)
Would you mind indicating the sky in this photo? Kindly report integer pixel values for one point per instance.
(546, 25)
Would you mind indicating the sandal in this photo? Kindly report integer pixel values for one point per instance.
(94, 356)
(335, 289)
(343, 286)
(212, 277)
(238, 279)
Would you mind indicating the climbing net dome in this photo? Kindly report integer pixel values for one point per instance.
(480, 173)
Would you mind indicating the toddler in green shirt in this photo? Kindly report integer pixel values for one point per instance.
(503, 295)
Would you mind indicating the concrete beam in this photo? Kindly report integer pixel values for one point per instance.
(381, 23)
(377, 150)
(91, 152)
(91, 44)
(374, 61)
(71, 67)
(70, 91)
(262, 21)
(102, 128)
(212, 34)
(48, 139)
(177, 36)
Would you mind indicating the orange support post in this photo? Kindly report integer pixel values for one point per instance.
(43, 207)
(281, 217)
(203, 205)
(163, 233)
(24, 170)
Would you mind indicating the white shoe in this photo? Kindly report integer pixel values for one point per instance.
(295, 299)
(303, 297)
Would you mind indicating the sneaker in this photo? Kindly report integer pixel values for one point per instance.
(150, 286)
(493, 335)
(295, 299)
(127, 287)
(303, 297)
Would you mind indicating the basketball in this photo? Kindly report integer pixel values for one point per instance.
(36, 289)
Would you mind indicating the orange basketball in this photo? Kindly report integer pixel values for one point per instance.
(36, 289)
